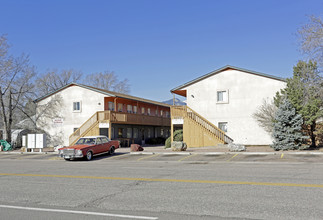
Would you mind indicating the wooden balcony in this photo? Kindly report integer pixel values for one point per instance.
(131, 118)
(117, 118)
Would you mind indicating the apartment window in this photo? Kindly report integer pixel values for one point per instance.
(120, 107)
(135, 133)
(135, 109)
(142, 110)
(76, 106)
(149, 133)
(111, 106)
(148, 111)
(222, 96)
(162, 132)
(223, 126)
(167, 114)
(129, 108)
(161, 112)
(120, 132)
(129, 132)
(156, 112)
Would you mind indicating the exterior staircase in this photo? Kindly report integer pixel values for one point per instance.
(88, 128)
(198, 131)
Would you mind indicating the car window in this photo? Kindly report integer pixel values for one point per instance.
(80, 141)
(89, 141)
(98, 141)
(104, 140)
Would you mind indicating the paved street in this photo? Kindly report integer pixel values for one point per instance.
(193, 157)
(161, 186)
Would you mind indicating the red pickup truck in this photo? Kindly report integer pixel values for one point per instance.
(87, 147)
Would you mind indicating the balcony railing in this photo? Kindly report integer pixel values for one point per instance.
(119, 118)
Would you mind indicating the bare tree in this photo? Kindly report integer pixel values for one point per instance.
(55, 79)
(265, 115)
(16, 75)
(109, 81)
(311, 38)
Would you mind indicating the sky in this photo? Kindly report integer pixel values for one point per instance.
(157, 44)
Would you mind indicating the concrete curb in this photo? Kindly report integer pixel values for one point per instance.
(29, 153)
(230, 153)
(183, 153)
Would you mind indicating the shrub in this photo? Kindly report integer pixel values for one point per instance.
(178, 136)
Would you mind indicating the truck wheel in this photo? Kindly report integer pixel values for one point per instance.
(89, 155)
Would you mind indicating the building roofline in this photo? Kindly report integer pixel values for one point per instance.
(222, 69)
(104, 92)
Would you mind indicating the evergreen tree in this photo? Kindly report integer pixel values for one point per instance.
(287, 128)
(304, 91)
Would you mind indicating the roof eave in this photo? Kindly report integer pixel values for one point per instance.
(224, 68)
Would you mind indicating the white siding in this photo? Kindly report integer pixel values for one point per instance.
(246, 93)
(89, 99)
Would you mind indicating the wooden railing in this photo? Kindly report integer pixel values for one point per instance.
(118, 117)
(90, 123)
(185, 111)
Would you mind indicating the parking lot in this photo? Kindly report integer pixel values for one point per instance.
(183, 157)
(155, 185)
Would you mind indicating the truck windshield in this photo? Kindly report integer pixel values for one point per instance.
(86, 141)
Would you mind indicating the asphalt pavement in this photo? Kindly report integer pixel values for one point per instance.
(160, 186)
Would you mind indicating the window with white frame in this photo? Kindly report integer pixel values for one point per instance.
(161, 112)
(148, 111)
(143, 110)
(135, 109)
(76, 106)
(222, 96)
(223, 126)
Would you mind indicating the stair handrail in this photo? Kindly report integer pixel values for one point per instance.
(81, 130)
(202, 121)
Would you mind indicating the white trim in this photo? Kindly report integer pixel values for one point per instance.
(79, 110)
(225, 98)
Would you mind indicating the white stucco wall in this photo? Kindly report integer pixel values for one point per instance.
(246, 93)
(89, 99)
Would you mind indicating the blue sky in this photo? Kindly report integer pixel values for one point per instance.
(157, 45)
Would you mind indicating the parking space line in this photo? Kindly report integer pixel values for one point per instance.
(281, 156)
(77, 212)
(232, 157)
(22, 157)
(117, 156)
(55, 158)
(143, 158)
(189, 156)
